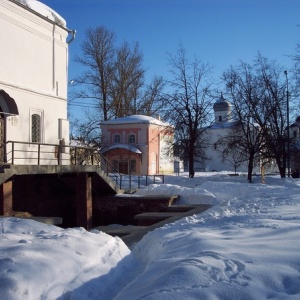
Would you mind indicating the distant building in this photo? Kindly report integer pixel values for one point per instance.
(138, 144)
(222, 127)
(294, 132)
(33, 82)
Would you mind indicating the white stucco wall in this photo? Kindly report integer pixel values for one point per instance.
(214, 160)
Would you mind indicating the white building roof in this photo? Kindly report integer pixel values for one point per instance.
(134, 119)
(44, 10)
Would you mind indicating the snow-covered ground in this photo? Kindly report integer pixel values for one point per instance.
(246, 246)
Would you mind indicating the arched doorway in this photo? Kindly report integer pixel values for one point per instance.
(2, 135)
(8, 108)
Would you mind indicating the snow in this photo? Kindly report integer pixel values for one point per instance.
(123, 146)
(245, 247)
(44, 10)
(135, 119)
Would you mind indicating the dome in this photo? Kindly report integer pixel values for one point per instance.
(221, 104)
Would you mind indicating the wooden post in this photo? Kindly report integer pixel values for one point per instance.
(6, 199)
(84, 203)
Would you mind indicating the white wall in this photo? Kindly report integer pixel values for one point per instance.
(34, 61)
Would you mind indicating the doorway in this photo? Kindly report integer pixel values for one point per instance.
(123, 166)
(2, 136)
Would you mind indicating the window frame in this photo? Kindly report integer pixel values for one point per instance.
(132, 165)
(40, 114)
(117, 138)
(131, 138)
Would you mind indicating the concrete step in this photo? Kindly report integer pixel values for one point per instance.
(121, 231)
(150, 218)
(180, 208)
(131, 239)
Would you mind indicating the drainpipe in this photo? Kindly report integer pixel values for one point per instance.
(73, 32)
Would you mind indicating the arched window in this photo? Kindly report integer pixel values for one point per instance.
(220, 118)
(36, 128)
(131, 139)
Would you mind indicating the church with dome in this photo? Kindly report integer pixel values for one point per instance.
(223, 123)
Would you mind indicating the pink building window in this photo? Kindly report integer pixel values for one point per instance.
(131, 139)
(117, 138)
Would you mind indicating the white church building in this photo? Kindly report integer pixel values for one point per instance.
(33, 82)
(223, 123)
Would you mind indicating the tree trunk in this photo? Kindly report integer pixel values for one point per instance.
(191, 162)
(282, 167)
(250, 167)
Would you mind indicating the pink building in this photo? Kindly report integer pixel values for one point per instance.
(138, 145)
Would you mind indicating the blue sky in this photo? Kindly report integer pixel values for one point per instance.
(220, 32)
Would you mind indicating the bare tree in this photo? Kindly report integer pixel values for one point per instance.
(189, 105)
(243, 89)
(98, 58)
(150, 103)
(258, 94)
(128, 80)
(273, 111)
(112, 84)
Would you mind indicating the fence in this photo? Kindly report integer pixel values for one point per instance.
(26, 153)
(18, 153)
(138, 181)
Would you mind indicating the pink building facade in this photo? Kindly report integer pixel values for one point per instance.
(138, 145)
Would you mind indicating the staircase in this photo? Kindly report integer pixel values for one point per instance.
(148, 221)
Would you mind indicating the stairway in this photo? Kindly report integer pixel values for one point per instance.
(149, 221)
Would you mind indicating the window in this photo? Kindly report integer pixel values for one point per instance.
(117, 138)
(36, 128)
(131, 139)
(132, 165)
(220, 118)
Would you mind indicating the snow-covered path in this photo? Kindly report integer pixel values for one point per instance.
(245, 247)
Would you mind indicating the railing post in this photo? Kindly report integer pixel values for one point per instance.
(12, 152)
(39, 148)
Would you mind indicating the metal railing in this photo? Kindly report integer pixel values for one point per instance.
(138, 181)
(27, 153)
